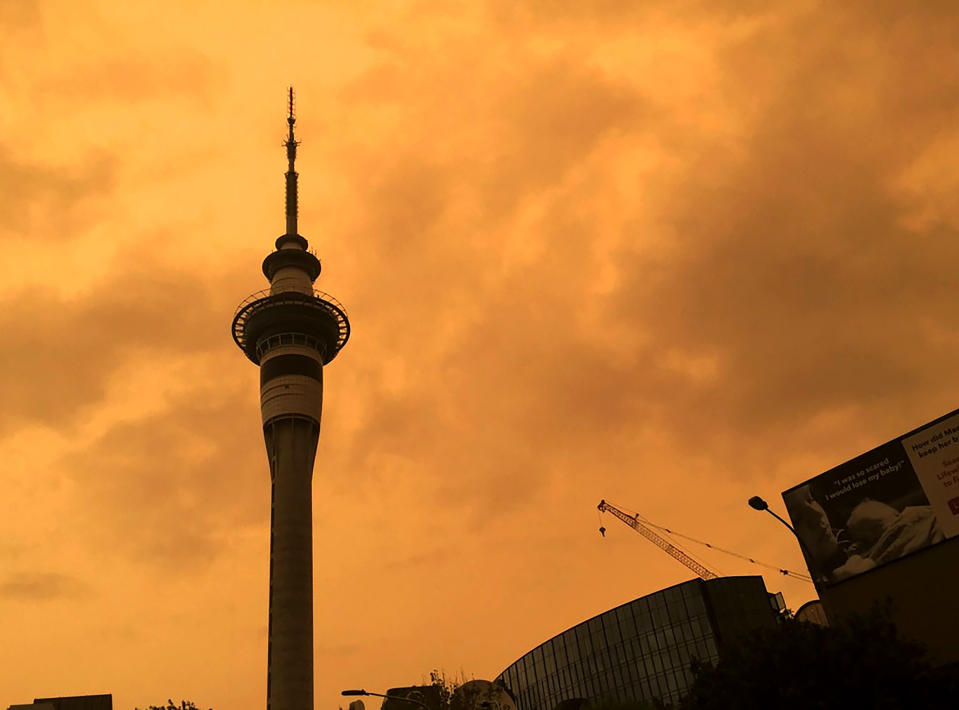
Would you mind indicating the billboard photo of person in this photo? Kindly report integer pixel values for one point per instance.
(883, 534)
(822, 548)
(861, 515)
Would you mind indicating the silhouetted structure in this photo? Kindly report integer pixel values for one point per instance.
(291, 331)
(862, 663)
(812, 613)
(642, 649)
(885, 525)
(479, 694)
(70, 702)
(922, 589)
(430, 695)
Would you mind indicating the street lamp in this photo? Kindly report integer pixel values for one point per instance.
(758, 503)
(388, 697)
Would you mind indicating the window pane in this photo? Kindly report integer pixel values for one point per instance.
(668, 637)
(560, 649)
(611, 627)
(628, 627)
(582, 638)
(695, 606)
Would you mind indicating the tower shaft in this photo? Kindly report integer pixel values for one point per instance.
(291, 448)
(291, 403)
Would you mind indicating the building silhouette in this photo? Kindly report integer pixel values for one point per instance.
(643, 649)
(291, 331)
(921, 587)
(70, 702)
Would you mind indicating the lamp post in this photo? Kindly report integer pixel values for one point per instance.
(388, 697)
(757, 503)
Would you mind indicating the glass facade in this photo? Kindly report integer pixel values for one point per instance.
(642, 649)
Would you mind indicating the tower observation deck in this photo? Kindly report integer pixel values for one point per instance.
(291, 331)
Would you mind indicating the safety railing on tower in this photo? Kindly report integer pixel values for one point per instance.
(264, 298)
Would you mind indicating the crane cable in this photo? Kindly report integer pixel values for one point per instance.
(786, 572)
(711, 567)
(668, 539)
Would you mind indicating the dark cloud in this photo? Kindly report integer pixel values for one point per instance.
(19, 15)
(503, 377)
(59, 353)
(134, 76)
(561, 17)
(794, 265)
(510, 134)
(170, 489)
(780, 286)
(48, 202)
(41, 586)
(553, 115)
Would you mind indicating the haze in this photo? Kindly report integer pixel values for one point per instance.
(672, 256)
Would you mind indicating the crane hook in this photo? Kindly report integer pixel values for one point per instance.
(602, 531)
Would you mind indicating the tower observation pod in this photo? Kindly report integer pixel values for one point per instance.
(291, 331)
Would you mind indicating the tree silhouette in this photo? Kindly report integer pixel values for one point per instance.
(184, 705)
(608, 704)
(862, 663)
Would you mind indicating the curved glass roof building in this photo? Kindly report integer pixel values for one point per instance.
(642, 649)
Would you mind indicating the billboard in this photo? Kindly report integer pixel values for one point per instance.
(889, 502)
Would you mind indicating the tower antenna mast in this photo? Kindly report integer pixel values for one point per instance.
(291, 175)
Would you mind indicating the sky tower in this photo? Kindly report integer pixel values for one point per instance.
(291, 331)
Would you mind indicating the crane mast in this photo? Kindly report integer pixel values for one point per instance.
(665, 545)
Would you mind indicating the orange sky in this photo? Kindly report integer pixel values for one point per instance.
(673, 257)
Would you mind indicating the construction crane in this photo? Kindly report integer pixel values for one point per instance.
(633, 522)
